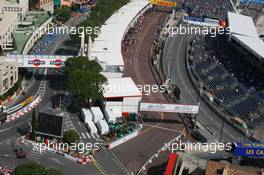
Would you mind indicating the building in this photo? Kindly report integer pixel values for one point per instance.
(122, 96)
(8, 75)
(11, 12)
(46, 5)
(217, 168)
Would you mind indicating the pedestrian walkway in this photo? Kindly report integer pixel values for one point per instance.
(35, 155)
(87, 135)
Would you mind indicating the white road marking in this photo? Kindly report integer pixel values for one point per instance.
(168, 129)
(88, 135)
(83, 135)
(56, 160)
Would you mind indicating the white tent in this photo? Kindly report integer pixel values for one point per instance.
(244, 32)
(107, 46)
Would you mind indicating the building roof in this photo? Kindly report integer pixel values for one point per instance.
(121, 87)
(244, 31)
(255, 46)
(107, 46)
(216, 168)
(242, 25)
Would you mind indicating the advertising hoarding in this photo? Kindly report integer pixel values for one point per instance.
(249, 149)
(252, 1)
(175, 108)
(163, 3)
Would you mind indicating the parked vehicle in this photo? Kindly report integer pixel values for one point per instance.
(86, 115)
(102, 127)
(97, 114)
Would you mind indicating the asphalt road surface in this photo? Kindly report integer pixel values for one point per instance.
(49, 159)
(158, 128)
(174, 64)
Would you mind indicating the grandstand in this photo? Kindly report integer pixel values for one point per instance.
(206, 8)
(230, 69)
(44, 43)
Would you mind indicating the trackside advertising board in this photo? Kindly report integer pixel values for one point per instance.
(175, 108)
(163, 3)
(43, 62)
(254, 1)
(249, 149)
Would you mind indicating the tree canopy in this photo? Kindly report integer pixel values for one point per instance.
(63, 13)
(29, 169)
(99, 14)
(70, 137)
(35, 169)
(53, 171)
(84, 79)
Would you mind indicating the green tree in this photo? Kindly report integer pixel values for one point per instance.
(63, 13)
(29, 169)
(70, 137)
(33, 124)
(35, 169)
(53, 171)
(84, 80)
(99, 14)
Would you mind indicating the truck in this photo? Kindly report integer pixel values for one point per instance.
(110, 116)
(92, 127)
(102, 127)
(86, 115)
(97, 114)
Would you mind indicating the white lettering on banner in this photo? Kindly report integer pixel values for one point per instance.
(176, 108)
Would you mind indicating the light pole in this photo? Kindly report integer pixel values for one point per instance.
(198, 103)
(222, 129)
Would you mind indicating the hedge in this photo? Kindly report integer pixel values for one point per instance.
(99, 14)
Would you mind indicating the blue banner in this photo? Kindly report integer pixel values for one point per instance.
(254, 1)
(195, 19)
(249, 149)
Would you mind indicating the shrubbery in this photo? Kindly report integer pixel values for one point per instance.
(100, 13)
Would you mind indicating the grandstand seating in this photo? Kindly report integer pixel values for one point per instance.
(42, 45)
(207, 8)
(231, 79)
(244, 107)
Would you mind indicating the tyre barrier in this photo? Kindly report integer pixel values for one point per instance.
(23, 111)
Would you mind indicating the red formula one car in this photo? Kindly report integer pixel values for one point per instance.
(19, 153)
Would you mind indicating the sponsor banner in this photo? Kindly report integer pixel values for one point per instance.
(249, 149)
(27, 101)
(190, 18)
(13, 109)
(44, 62)
(254, 1)
(57, 63)
(212, 21)
(163, 3)
(176, 108)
